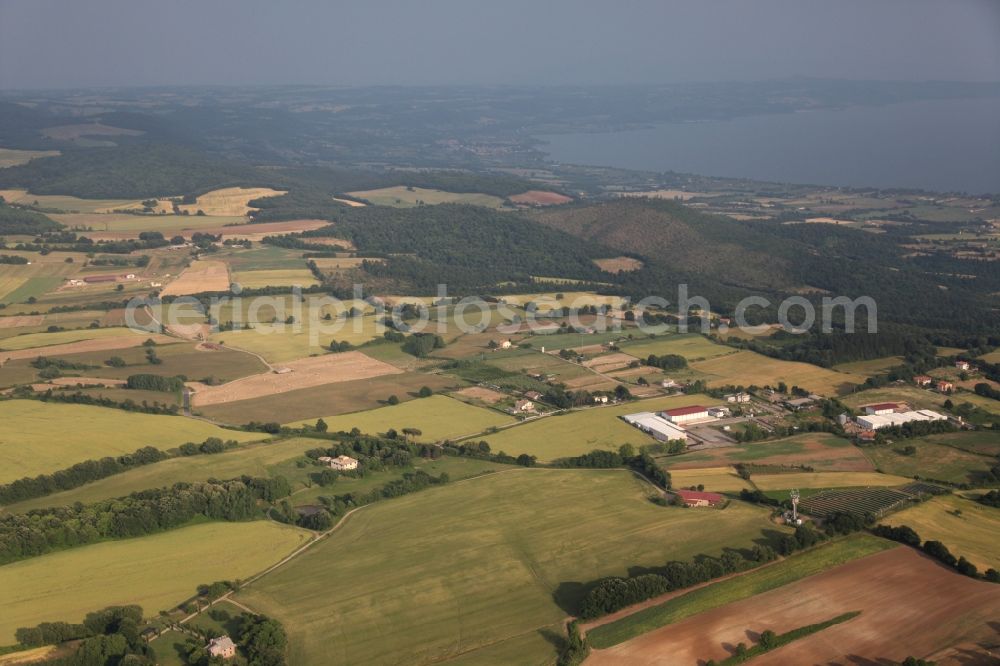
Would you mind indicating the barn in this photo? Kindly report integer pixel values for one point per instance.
(686, 414)
(699, 498)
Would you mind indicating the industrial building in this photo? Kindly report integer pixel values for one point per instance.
(661, 429)
(686, 414)
(879, 421)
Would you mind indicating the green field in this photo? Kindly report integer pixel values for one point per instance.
(715, 479)
(917, 398)
(747, 368)
(821, 451)
(38, 437)
(168, 225)
(408, 197)
(826, 480)
(280, 343)
(934, 460)
(438, 417)
(32, 340)
(278, 277)
(964, 526)
(745, 586)
(477, 562)
(584, 430)
(875, 366)
(157, 572)
(689, 345)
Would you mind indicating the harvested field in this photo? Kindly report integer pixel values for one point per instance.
(401, 196)
(304, 373)
(748, 368)
(618, 264)
(482, 394)
(715, 479)
(282, 277)
(10, 157)
(591, 383)
(201, 275)
(909, 604)
(19, 321)
(156, 571)
(691, 346)
(540, 198)
(71, 132)
(966, 527)
(229, 200)
(63, 202)
(280, 343)
(820, 451)
(609, 362)
(350, 202)
(33, 435)
(826, 480)
(330, 398)
(437, 417)
(121, 226)
(104, 343)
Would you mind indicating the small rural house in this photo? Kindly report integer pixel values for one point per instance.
(340, 463)
(922, 380)
(699, 498)
(945, 386)
(718, 412)
(601, 399)
(223, 647)
(533, 395)
(524, 406)
(738, 397)
(669, 383)
(962, 365)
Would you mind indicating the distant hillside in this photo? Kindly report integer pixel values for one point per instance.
(679, 237)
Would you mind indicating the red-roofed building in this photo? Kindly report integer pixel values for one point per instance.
(685, 414)
(699, 498)
(881, 408)
(922, 380)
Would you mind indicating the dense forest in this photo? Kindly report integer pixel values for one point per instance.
(15, 220)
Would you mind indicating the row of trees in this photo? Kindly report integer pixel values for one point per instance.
(907, 535)
(44, 530)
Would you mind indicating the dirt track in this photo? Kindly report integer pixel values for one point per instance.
(305, 373)
(910, 605)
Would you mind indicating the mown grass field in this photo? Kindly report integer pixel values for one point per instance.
(157, 571)
(964, 526)
(281, 277)
(821, 451)
(252, 459)
(329, 399)
(689, 345)
(41, 340)
(11, 157)
(438, 417)
(582, 431)
(476, 563)
(875, 366)
(408, 197)
(715, 479)
(933, 460)
(748, 368)
(38, 437)
(126, 223)
(740, 587)
(64, 202)
(826, 480)
(279, 342)
(916, 397)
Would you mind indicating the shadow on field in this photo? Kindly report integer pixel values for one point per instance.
(569, 596)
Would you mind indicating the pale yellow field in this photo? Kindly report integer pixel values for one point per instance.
(348, 202)
(965, 527)
(40, 438)
(201, 275)
(403, 197)
(229, 200)
(156, 572)
(715, 479)
(437, 417)
(110, 226)
(66, 203)
(826, 480)
(992, 357)
(748, 368)
(10, 157)
(34, 340)
(279, 343)
(288, 277)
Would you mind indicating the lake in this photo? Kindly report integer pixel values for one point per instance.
(943, 145)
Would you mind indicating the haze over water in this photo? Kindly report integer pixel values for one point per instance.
(942, 145)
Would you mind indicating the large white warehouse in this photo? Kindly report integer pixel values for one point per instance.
(657, 426)
(878, 421)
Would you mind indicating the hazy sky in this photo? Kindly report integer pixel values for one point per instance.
(70, 43)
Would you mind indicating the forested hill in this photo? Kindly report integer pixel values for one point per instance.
(127, 172)
(467, 247)
(725, 259)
